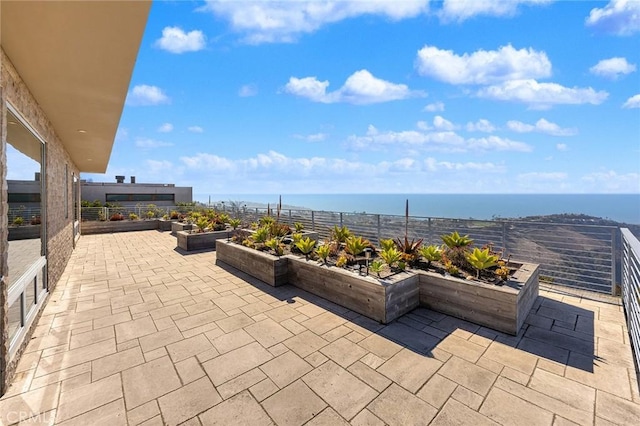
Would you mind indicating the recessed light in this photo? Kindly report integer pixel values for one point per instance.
(89, 159)
(12, 122)
(82, 131)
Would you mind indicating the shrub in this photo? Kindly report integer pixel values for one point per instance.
(323, 252)
(431, 253)
(18, 220)
(481, 260)
(133, 216)
(306, 246)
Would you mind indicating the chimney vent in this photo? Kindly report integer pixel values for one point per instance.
(119, 179)
(133, 179)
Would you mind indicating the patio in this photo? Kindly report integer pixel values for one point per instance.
(138, 333)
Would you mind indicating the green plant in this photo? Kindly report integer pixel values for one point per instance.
(261, 235)
(342, 261)
(306, 246)
(502, 272)
(340, 234)
(323, 251)
(133, 216)
(391, 256)
(18, 220)
(402, 265)
(481, 260)
(430, 253)
(376, 267)
(299, 227)
(451, 268)
(276, 245)
(175, 214)
(295, 237)
(266, 220)
(455, 240)
(408, 248)
(279, 230)
(387, 244)
(356, 245)
(202, 224)
(456, 249)
(235, 223)
(151, 214)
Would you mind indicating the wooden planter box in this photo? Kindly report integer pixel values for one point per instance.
(24, 232)
(503, 308)
(263, 266)
(164, 225)
(381, 300)
(180, 226)
(189, 241)
(106, 227)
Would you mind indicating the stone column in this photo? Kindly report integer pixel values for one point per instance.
(4, 235)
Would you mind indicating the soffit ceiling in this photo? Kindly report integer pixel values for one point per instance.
(76, 58)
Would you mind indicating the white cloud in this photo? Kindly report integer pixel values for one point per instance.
(424, 140)
(360, 88)
(195, 129)
(441, 123)
(315, 137)
(612, 68)
(632, 102)
(542, 95)
(541, 126)
(248, 90)
(156, 167)
(285, 21)
(434, 107)
(543, 176)
(481, 125)
(147, 143)
(441, 166)
(562, 147)
(165, 128)
(619, 17)
(482, 66)
(175, 40)
(144, 95)
(612, 181)
(460, 10)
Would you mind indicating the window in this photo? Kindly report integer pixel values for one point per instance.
(123, 198)
(22, 197)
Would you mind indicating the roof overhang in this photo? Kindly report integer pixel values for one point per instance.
(76, 58)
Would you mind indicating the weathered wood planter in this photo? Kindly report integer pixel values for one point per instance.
(263, 266)
(189, 241)
(503, 308)
(97, 227)
(180, 226)
(381, 300)
(164, 225)
(24, 232)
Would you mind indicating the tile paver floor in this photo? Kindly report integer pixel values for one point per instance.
(138, 333)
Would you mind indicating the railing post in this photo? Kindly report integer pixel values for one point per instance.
(504, 238)
(429, 236)
(613, 261)
(379, 228)
(313, 221)
(340, 219)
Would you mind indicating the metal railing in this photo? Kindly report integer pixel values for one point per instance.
(631, 289)
(572, 255)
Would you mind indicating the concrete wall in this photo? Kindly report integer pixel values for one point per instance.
(59, 217)
(92, 191)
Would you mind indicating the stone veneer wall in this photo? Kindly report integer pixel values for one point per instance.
(59, 221)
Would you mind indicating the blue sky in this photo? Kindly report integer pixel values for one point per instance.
(284, 97)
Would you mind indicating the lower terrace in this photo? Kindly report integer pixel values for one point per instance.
(138, 333)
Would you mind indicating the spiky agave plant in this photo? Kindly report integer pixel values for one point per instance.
(481, 260)
(323, 251)
(376, 267)
(202, 224)
(391, 256)
(356, 245)
(276, 245)
(235, 223)
(409, 249)
(430, 253)
(456, 248)
(386, 244)
(306, 246)
(340, 234)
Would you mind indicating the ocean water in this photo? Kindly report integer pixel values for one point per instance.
(619, 207)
